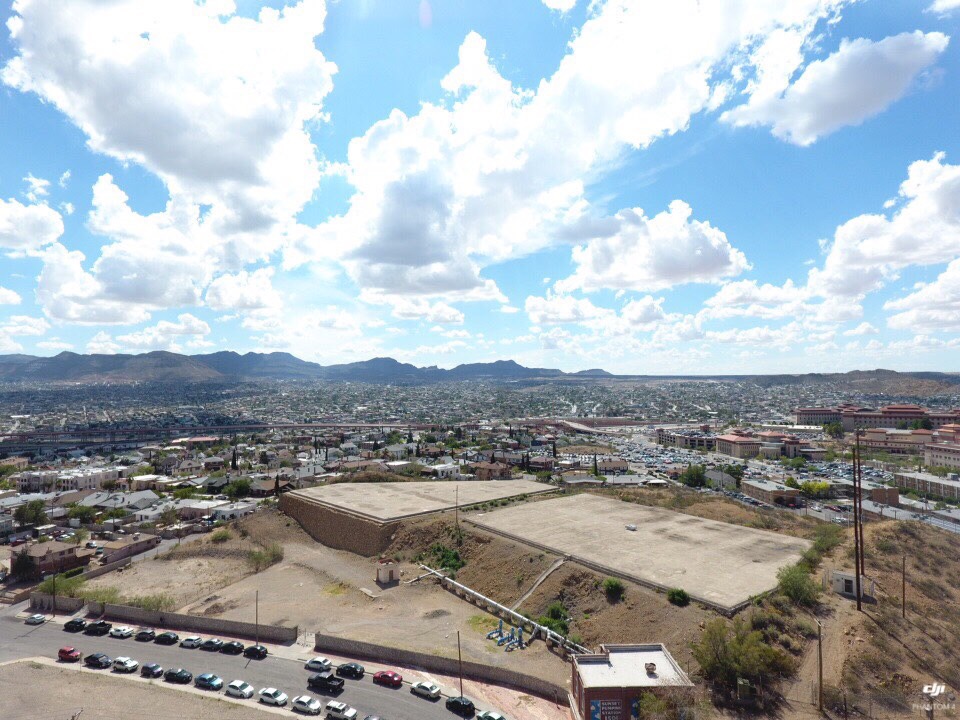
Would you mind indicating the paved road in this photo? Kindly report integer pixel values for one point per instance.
(18, 640)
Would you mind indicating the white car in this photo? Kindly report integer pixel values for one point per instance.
(426, 689)
(490, 715)
(240, 689)
(340, 711)
(36, 619)
(272, 696)
(121, 631)
(191, 641)
(125, 664)
(306, 705)
(318, 664)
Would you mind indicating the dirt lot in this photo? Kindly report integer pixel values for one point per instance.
(37, 690)
(334, 592)
(187, 573)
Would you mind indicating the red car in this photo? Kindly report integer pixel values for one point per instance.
(69, 654)
(388, 677)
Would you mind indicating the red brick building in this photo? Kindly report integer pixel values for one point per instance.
(607, 685)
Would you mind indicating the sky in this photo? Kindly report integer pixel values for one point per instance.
(687, 187)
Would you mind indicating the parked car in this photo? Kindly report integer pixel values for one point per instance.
(351, 670)
(306, 705)
(232, 648)
(145, 635)
(211, 645)
(36, 619)
(208, 681)
(191, 641)
(100, 627)
(178, 675)
(240, 689)
(68, 654)
(121, 631)
(272, 696)
(318, 664)
(75, 625)
(490, 715)
(340, 711)
(256, 652)
(98, 661)
(428, 690)
(151, 670)
(461, 706)
(167, 638)
(388, 677)
(125, 665)
(325, 681)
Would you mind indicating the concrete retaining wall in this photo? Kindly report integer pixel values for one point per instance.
(42, 601)
(104, 569)
(194, 623)
(339, 530)
(448, 666)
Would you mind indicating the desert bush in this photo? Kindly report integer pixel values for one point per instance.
(221, 536)
(614, 588)
(678, 597)
(795, 582)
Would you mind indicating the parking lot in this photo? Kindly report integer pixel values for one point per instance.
(286, 672)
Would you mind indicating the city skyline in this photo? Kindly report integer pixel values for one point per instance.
(650, 190)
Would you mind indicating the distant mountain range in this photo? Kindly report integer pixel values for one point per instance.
(161, 366)
(168, 367)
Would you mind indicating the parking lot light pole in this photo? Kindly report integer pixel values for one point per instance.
(460, 663)
(256, 618)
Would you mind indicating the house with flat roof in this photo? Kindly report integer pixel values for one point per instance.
(769, 491)
(607, 685)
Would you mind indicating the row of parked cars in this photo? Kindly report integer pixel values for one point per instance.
(325, 676)
(102, 627)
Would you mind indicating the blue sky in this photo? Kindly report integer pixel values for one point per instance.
(644, 187)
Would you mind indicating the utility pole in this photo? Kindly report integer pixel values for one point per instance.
(903, 588)
(460, 663)
(820, 666)
(456, 510)
(256, 618)
(856, 521)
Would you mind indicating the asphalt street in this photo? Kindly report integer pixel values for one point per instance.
(18, 640)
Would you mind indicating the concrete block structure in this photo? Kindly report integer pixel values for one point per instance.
(608, 685)
(362, 517)
(769, 491)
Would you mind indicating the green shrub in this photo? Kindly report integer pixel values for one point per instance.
(161, 601)
(678, 597)
(221, 536)
(727, 653)
(614, 589)
(795, 582)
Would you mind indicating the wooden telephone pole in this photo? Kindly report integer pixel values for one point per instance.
(857, 550)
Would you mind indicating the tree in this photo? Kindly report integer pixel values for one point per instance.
(815, 489)
(596, 467)
(109, 485)
(80, 535)
(22, 565)
(31, 513)
(168, 516)
(234, 464)
(264, 460)
(727, 653)
(791, 482)
(694, 476)
(794, 581)
(237, 489)
(83, 513)
(833, 429)
(554, 448)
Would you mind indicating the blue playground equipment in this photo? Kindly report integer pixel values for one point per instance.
(509, 637)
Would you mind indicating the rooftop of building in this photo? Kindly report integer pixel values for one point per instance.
(625, 666)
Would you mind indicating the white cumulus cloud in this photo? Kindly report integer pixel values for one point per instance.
(859, 80)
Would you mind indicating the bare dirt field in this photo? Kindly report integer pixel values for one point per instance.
(715, 562)
(334, 592)
(39, 690)
(188, 572)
